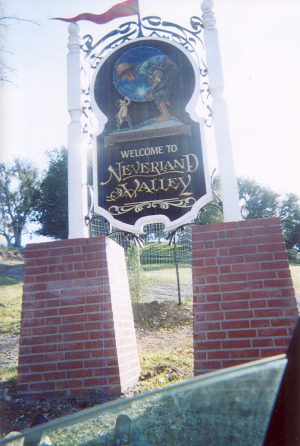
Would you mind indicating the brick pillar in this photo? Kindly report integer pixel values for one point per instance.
(244, 301)
(77, 331)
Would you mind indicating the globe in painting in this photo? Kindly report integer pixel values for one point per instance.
(146, 74)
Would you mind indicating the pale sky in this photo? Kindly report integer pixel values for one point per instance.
(259, 41)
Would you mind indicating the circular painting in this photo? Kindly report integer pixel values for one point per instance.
(144, 74)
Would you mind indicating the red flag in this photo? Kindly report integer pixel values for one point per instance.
(126, 8)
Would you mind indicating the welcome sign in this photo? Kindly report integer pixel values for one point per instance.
(149, 155)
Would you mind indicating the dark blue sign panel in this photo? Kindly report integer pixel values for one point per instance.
(150, 164)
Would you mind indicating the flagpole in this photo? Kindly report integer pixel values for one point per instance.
(77, 163)
(229, 188)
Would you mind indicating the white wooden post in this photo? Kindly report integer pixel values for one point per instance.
(230, 196)
(77, 163)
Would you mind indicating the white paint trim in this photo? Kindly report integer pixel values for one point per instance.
(77, 162)
(229, 187)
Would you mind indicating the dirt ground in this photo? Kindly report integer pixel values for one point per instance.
(153, 323)
(17, 414)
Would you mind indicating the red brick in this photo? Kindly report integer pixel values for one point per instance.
(206, 270)
(50, 321)
(237, 277)
(97, 344)
(226, 269)
(209, 307)
(261, 275)
(281, 303)
(77, 354)
(283, 322)
(239, 334)
(242, 250)
(50, 367)
(70, 365)
(28, 378)
(74, 318)
(200, 337)
(94, 382)
(262, 323)
(73, 374)
(207, 345)
(233, 362)
(42, 386)
(238, 286)
(272, 351)
(44, 348)
(261, 257)
(235, 305)
(277, 283)
(206, 253)
(236, 343)
(205, 365)
(271, 331)
(275, 265)
(32, 340)
(267, 313)
(236, 296)
(239, 314)
(282, 342)
(216, 335)
(54, 376)
(208, 326)
(215, 316)
(76, 309)
(242, 232)
(292, 311)
(235, 324)
(79, 336)
(221, 354)
(262, 342)
(272, 247)
(232, 260)
(245, 353)
(258, 303)
(69, 384)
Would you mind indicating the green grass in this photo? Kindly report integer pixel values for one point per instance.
(165, 367)
(10, 308)
(9, 374)
(167, 276)
(295, 272)
(158, 253)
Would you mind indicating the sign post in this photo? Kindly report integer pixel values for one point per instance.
(77, 164)
(229, 189)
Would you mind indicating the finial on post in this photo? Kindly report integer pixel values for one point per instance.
(74, 38)
(208, 14)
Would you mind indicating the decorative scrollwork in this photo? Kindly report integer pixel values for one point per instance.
(162, 204)
(95, 50)
(154, 26)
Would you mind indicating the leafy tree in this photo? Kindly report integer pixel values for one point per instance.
(154, 233)
(289, 213)
(257, 201)
(19, 190)
(212, 212)
(53, 203)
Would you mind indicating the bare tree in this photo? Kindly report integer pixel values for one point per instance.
(5, 21)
